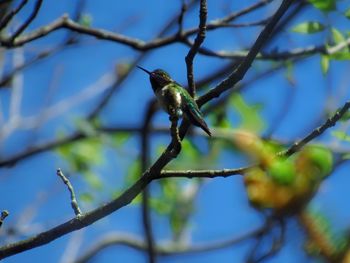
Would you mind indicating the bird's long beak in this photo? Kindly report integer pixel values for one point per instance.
(145, 70)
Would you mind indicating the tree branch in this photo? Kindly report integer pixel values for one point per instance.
(165, 249)
(4, 214)
(317, 132)
(28, 21)
(6, 19)
(238, 74)
(73, 200)
(145, 160)
(65, 22)
(126, 197)
(203, 12)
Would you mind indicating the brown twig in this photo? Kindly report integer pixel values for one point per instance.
(65, 22)
(318, 131)
(238, 74)
(126, 197)
(181, 17)
(175, 136)
(316, 235)
(164, 249)
(4, 214)
(145, 162)
(203, 13)
(73, 200)
(78, 135)
(28, 21)
(137, 61)
(202, 173)
(7, 18)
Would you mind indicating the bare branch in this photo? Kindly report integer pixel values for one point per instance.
(6, 19)
(73, 200)
(181, 17)
(318, 131)
(239, 73)
(145, 162)
(233, 16)
(317, 236)
(28, 21)
(166, 249)
(203, 12)
(155, 171)
(126, 197)
(120, 80)
(176, 140)
(202, 173)
(41, 147)
(4, 214)
(65, 22)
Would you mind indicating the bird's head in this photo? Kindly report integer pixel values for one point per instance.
(159, 78)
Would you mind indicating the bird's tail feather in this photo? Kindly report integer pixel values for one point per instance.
(196, 118)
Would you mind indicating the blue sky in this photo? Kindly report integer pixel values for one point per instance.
(222, 210)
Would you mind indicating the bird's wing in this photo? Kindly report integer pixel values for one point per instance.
(194, 115)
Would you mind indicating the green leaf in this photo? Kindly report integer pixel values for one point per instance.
(170, 189)
(282, 171)
(85, 127)
(324, 64)
(341, 135)
(224, 123)
(189, 149)
(324, 5)
(88, 151)
(340, 56)
(162, 207)
(308, 27)
(289, 73)
(347, 13)
(249, 114)
(93, 180)
(120, 138)
(346, 116)
(134, 172)
(337, 36)
(85, 20)
(321, 157)
(346, 156)
(86, 197)
(83, 154)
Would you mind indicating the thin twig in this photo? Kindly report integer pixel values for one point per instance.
(181, 17)
(176, 140)
(145, 162)
(137, 61)
(28, 21)
(6, 19)
(73, 200)
(317, 132)
(127, 196)
(233, 16)
(124, 199)
(65, 22)
(238, 74)
(202, 173)
(165, 249)
(203, 13)
(316, 235)
(4, 214)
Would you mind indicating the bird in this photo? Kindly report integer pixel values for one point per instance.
(174, 99)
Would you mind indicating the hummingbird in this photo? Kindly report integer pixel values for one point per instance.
(174, 99)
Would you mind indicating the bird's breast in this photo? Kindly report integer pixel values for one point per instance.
(170, 100)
